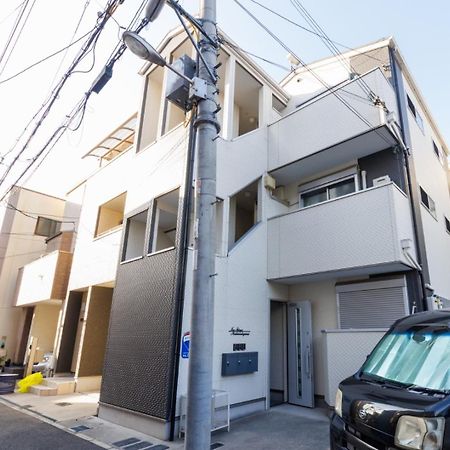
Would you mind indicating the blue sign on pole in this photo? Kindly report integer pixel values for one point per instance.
(185, 345)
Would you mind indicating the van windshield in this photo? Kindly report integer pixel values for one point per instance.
(415, 358)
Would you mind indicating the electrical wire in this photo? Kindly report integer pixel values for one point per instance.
(312, 31)
(46, 58)
(19, 34)
(80, 107)
(223, 40)
(14, 29)
(11, 13)
(101, 22)
(331, 46)
(305, 66)
(85, 7)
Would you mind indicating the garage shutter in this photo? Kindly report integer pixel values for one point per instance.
(365, 306)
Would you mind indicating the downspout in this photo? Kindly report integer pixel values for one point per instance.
(408, 177)
(181, 270)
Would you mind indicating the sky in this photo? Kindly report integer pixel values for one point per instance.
(420, 29)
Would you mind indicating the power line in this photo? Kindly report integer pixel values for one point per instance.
(331, 46)
(12, 12)
(14, 29)
(45, 58)
(304, 65)
(312, 31)
(237, 47)
(18, 35)
(101, 22)
(80, 107)
(85, 7)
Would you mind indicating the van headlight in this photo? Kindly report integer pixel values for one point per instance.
(420, 433)
(338, 403)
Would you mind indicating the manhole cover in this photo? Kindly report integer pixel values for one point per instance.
(63, 404)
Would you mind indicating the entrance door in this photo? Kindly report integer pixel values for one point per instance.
(300, 358)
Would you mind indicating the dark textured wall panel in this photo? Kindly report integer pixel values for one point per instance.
(139, 354)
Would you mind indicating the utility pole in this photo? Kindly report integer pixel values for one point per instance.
(204, 91)
(199, 395)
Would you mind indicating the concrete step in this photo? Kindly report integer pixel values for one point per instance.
(62, 385)
(43, 390)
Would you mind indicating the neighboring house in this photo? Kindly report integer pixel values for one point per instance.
(325, 235)
(31, 294)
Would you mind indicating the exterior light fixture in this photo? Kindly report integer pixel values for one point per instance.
(153, 9)
(140, 47)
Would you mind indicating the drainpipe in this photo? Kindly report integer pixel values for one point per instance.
(183, 246)
(402, 114)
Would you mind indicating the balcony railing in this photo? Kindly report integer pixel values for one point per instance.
(362, 233)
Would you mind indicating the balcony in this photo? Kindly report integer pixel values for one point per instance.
(325, 133)
(44, 280)
(363, 233)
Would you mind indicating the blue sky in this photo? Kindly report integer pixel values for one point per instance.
(420, 29)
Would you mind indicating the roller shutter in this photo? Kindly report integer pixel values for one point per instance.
(371, 305)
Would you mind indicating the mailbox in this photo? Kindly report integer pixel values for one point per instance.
(239, 363)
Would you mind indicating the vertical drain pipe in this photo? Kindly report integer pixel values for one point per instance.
(408, 176)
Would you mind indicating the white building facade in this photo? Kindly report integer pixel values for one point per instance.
(329, 227)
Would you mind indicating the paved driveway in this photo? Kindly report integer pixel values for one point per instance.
(284, 427)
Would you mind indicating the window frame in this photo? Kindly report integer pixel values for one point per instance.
(326, 185)
(447, 224)
(57, 229)
(429, 201)
(414, 111)
(115, 228)
(127, 220)
(154, 216)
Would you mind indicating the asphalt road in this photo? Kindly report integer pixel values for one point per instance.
(20, 431)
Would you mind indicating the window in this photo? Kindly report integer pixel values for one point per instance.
(439, 153)
(244, 212)
(135, 236)
(246, 102)
(415, 113)
(110, 214)
(328, 192)
(151, 108)
(47, 227)
(447, 225)
(411, 106)
(428, 202)
(165, 221)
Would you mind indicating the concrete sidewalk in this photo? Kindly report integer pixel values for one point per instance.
(284, 427)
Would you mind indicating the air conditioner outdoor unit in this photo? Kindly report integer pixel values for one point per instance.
(385, 179)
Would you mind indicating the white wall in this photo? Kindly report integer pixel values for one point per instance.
(37, 280)
(432, 177)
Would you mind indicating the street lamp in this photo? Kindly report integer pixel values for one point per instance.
(141, 48)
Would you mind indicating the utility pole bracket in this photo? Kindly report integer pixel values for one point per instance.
(198, 89)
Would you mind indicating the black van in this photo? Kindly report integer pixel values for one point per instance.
(400, 399)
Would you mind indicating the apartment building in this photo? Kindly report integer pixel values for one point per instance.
(32, 271)
(332, 211)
